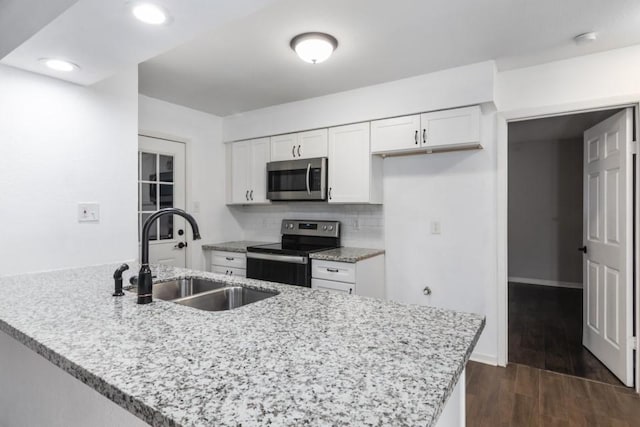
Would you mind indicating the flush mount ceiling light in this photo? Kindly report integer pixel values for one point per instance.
(150, 13)
(59, 64)
(585, 38)
(314, 47)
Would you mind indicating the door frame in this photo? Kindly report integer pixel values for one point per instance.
(187, 174)
(503, 118)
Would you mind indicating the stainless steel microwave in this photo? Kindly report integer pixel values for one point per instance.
(302, 179)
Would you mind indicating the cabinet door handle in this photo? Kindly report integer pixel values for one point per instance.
(251, 195)
(415, 137)
(246, 195)
(329, 193)
(424, 136)
(293, 150)
(299, 151)
(332, 270)
(230, 258)
(350, 291)
(226, 272)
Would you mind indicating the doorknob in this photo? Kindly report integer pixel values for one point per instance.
(180, 232)
(583, 249)
(180, 245)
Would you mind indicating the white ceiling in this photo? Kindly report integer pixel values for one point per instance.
(102, 36)
(557, 128)
(248, 64)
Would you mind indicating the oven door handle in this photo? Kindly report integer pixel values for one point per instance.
(308, 176)
(280, 258)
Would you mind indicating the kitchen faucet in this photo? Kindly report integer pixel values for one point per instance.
(145, 281)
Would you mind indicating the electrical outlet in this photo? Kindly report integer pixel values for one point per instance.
(88, 212)
(436, 227)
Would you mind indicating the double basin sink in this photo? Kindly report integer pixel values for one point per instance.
(205, 294)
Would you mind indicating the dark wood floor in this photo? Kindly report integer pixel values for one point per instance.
(520, 395)
(545, 331)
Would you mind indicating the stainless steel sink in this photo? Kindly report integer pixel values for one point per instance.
(225, 299)
(181, 288)
(206, 294)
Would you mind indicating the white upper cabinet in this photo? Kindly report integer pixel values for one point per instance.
(301, 145)
(451, 127)
(312, 144)
(260, 156)
(355, 176)
(248, 173)
(436, 131)
(396, 134)
(240, 159)
(283, 147)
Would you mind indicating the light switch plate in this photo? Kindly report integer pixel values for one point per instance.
(88, 212)
(436, 228)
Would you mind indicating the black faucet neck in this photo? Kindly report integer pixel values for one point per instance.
(144, 277)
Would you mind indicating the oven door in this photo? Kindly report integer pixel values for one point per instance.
(292, 270)
(304, 179)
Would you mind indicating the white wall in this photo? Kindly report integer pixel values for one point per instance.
(545, 211)
(612, 75)
(458, 189)
(205, 168)
(468, 85)
(62, 144)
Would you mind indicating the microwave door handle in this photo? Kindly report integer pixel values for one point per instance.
(308, 176)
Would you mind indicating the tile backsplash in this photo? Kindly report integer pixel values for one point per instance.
(362, 225)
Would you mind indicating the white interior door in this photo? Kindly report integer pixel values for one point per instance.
(608, 263)
(161, 184)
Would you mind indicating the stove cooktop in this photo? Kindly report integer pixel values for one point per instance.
(288, 249)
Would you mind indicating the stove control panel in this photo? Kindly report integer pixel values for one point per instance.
(311, 228)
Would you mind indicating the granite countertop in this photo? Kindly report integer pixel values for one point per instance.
(301, 357)
(233, 246)
(346, 254)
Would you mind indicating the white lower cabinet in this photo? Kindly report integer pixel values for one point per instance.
(364, 278)
(229, 263)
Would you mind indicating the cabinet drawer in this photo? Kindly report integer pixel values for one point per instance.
(331, 270)
(330, 285)
(229, 271)
(229, 259)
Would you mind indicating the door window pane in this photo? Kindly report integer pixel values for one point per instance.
(166, 196)
(166, 227)
(147, 167)
(148, 197)
(153, 232)
(166, 168)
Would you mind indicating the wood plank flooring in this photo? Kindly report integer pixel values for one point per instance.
(520, 395)
(545, 331)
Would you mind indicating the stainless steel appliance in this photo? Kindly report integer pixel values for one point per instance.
(288, 261)
(303, 179)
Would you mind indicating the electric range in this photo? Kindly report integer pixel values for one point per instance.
(288, 261)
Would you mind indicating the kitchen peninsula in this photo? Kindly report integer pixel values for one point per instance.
(301, 357)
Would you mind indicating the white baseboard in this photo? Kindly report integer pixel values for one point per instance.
(543, 282)
(484, 358)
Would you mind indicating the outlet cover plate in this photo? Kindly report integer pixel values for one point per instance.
(88, 212)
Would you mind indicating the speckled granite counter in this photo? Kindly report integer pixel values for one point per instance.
(234, 246)
(302, 357)
(346, 254)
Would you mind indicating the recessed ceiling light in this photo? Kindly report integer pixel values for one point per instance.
(585, 38)
(150, 14)
(59, 64)
(314, 47)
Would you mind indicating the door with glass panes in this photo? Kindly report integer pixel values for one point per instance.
(161, 184)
